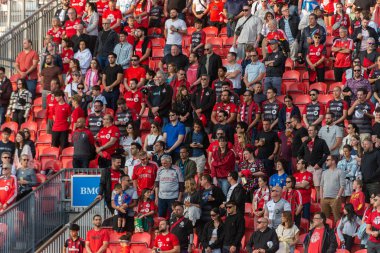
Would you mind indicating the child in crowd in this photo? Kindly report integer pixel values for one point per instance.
(146, 210)
(125, 243)
(130, 29)
(358, 198)
(120, 199)
(348, 226)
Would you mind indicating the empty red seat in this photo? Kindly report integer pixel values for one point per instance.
(53, 165)
(211, 31)
(50, 151)
(301, 99)
(142, 238)
(228, 42)
(158, 43)
(292, 75)
(158, 53)
(289, 64)
(333, 85)
(216, 42)
(294, 88)
(321, 87)
(154, 31)
(329, 76)
(324, 98)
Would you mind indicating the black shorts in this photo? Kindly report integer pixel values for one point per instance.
(121, 215)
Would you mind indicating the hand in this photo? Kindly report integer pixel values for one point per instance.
(222, 206)
(271, 157)
(309, 40)
(173, 29)
(317, 167)
(375, 233)
(168, 151)
(23, 74)
(208, 250)
(198, 112)
(98, 150)
(215, 181)
(232, 249)
(107, 88)
(99, 197)
(155, 109)
(156, 201)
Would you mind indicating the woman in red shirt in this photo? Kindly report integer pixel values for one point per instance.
(260, 197)
(56, 31)
(141, 13)
(67, 54)
(78, 111)
(315, 60)
(340, 19)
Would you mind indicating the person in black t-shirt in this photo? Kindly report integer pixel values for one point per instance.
(181, 61)
(112, 77)
(6, 144)
(155, 14)
(300, 135)
(376, 126)
(181, 227)
(268, 145)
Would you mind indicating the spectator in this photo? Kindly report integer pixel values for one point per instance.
(370, 162)
(287, 232)
(119, 201)
(166, 241)
(279, 178)
(123, 117)
(192, 202)
(357, 82)
(368, 57)
(289, 24)
(259, 97)
(357, 198)
(352, 130)
(140, 13)
(321, 238)
(211, 62)
(67, 55)
(347, 226)
(250, 169)
(26, 177)
(91, 20)
(174, 134)
(61, 12)
(233, 228)
(254, 71)
(130, 137)
(106, 42)
(84, 145)
(222, 163)
(299, 136)
(187, 166)
(74, 67)
(315, 59)
(94, 121)
(340, 19)
(274, 207)
(362, 113)
(101, 6)
(72, 88)
(198, 37)
(6, 158)
(304, 183)
(6, 145)
(5, 94)
(135, 71)
(182, 228)
(337, 107)
(159, 152)
(224, 105)
(71, 23)
(175, 58)
(314, 111)
(372, 228)
(332, 188)
(349, 166)
(275, 66)
(114, 15)
(92, 76)
(332, 134)
(169, 186)
(20, 103)
(144, 174)
(135, 101)
(22, 148)
(152, 138)
(130, 28)
(294, 197)
(143, 46)
(271, 108)
(182, 101)
(343, 48)
(249, 112)
(213, 233)
(218, 83)
(234, 72)
(8, 187)
(260, 198)
(79, 36)
(49, 73)
(268, 145)
(235, 193)
(146, 210)
(175, 28)
(362, 33)
(111, 80)
(108, 179)
(373, 79)
(97, 239)
(26, 66)
(123, 50)
(60, 128)
(74, 242)
(193, 72)
(259, 240)
(79, 6)
(215, 13)
(77, 112)
(234, 98)
(287, 112)
(306, 36)
(314, 151)
(203, 99)
(133, 159)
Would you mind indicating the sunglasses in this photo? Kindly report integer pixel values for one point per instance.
(245, 10)
(288, 182)
(229, 207)
(357, 70)
(80, 88)
(206, 49)
(313, 95)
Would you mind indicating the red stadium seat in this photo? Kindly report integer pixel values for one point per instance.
(154, 31)
(94, 164)
(333, 85)
(40, 115)
(67, 155)
(295, 88)
(211, 31)
(158, 43)
(289, 64)
(43, 141)
(223, 32)
(53, 165)
(191, 30)
(321, 87)
(39, 89)
(324, 98)
(51, 151)
(301, 99)
(68, 163)
(41, 178)
(249, 222)
(37, 102)
(228, 42)
(110, 111)
(292, 75)
(280, 98)
(12, 125)
(142, 238)
(186, 42)
(216, 42)
(158, 53)
(329, 76)
(361, 251)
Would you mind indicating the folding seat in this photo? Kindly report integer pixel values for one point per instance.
(49, 152)
(110, 111)
(333, 85)
(157, 53)
(294, 88)
(154, 32)
(289, 64)
(223, 32)
(211, 31)
(301, 99)
(53, 165)
(43, 141)
(12, 125)
(321, 87)
(329, 77)
(324, 98)
(67, 155)
(158, 43)
(290, 76)
(186, 42)
(191, 30)
(216, 42)
(142, 238)
(228, 42)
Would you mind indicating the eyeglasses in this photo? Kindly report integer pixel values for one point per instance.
(357, 70)
(316, 37)
(245, 10)
(153, 127)
(206, 49)
(25, 159)
(313, 95)
(288, 182)
(229, 207)
(371, 43)
(6, 157)
(204, 79)
(80, 88)
(5, 168)
(172, 115)
(212, 215)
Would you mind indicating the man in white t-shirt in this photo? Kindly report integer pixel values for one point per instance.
(175, 28)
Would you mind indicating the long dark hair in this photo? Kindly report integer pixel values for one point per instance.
(216, 210)
(141, 198)
(135, 132)
(22, 144)
(351, 215)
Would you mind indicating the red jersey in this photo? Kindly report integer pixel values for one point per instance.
(358, 201)
(50, 106)
(315, 53)
(115, 178)
(229, 108)
(343, 60)
(294, 198)
(79, 6)
(132, 72)
(145, 176)
(166, 242)
(75, 115)
(275, 35)
(134, 100)
(345, 22)
(77, 246)
(305, 193)
(145, 207)
(140, 9)
(57, 34)
(105, 134)
(216, 11)
(70, 27)
(316, 240)
(139, 51)
(113, 16)
(96, 239)
(131, 34)
(8, 189)
(67, 54)
(101, 6)
(215, 145)
(374, 221)
(61, 115)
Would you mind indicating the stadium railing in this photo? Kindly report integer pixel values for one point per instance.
(32, 220)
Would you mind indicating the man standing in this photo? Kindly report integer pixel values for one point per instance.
(211, 62)
(134, 72)
(357, 82)
(307, 33)
(314, 111)
(74, 243)
(111, 79)
(114, 15)
(135, 102)
(5, 94)
(314, 151)
(275, 207)
(363, 32)
(60, 129)
(108, 141)
(174, 134)
(182, 228)
(236, 193)
(106, 42)
(222, 124)
(370, 167)
(234, 72)
(304, 183)
(143, 46)
(169, 186)
(332, 134)
(26, 66)
(255, 71)
(373, 227)
(83, 141)
(260, 238)
(249, 112)
(343, 48)
(71, 23)
(97, 239)
(299, 136)
(175, 28)
(271, 108)
(247, 31)
(224, 105)
(108, 179)
(275, 67)
(48, 73)
(94, 121)
(338, 107)
(123, 51)
(6, 144)
(289, 24)
(234, 227)
(123, 116)
(166, 241)
(144, 173)
(188, 167)
(203, 99)
(81, 36)
(217, 84)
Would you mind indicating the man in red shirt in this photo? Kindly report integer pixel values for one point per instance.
(101, 6)
(97, 239)
(114, 15)
(304, 183)
(108, 141)
(70, 24)
(135, 100)
(8, 187)
(165, 241)
(343, 48)
(373, 227)
(144, 173)
(143, 47)
(50, 105)
(79, 6)
(74, 243)
(60, 129)
(217, 17)
(134, 71)
(224, 105)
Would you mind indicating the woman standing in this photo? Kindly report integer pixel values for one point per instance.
(352, 130)
(192, 207)
(242, 142)
(20, 103)
(182, 105)
(286, 112)
(93, 76)
(83, 55)
(56, 31)
(288, 233)
(151, 139)
(29, 141)
(126, 141)
(260, 197)
(91, 19)
(213, 233)
(349, 166)
(77, 112)
(74, 67)
(293, 196)
(67, 54)
(26, 177)
(251, 169)
(22, 148)
(141, 12)
(347, 226)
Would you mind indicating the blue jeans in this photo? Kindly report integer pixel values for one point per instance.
(168, 48)
(165, 206)
(274, 82)
(103, 61)
(31, 86)
(224, 185)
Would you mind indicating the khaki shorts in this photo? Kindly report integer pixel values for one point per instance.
(317, 175)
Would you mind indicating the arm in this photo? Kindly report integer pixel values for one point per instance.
(88, 250)
(94, 23)
(177, 143)
(317, 121)
(117, 81)
(103, 248)
(109, 144)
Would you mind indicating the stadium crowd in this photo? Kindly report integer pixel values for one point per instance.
(221, 126)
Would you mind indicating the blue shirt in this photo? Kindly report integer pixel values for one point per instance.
(172, 133)
(254, 69)
(197, 138)
(234, 7)
(276, 180)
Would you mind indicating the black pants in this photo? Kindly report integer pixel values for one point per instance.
(338, 73)
(60, 139)
(348, 242)
(81, 162)
(18, 116)
(104, 163)
(112, 98)
(320, 75)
